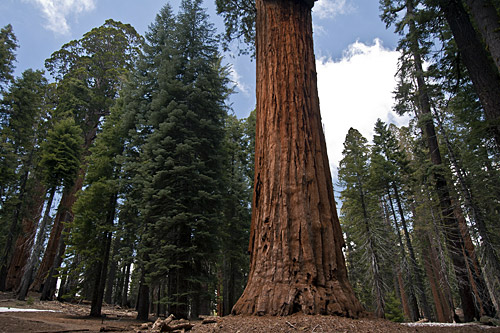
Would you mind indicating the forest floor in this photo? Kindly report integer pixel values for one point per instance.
(57, 317)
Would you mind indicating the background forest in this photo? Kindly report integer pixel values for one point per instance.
(125, 177)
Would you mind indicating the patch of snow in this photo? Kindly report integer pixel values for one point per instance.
(24, 310)
(439, 324)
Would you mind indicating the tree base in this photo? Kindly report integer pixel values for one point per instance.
(284, 299)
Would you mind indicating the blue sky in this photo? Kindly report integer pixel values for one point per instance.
(356, 57)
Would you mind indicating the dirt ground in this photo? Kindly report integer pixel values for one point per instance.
(74, 318)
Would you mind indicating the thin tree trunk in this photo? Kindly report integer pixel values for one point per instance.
(404, 298)
(143, 300)
(441, 267)
(103, 261)
(296, 263)
(108, 296)
(414, 265)
(37, 250)
(415, 314)
(50, 285)
(100, 282)
(482, 71)
(124, 299)
(476, 275)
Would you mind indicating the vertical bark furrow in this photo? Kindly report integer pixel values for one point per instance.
(296, 243)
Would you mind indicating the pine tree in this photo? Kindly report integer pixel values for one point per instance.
(359, 212)
(8, 45)
(393, 162)
(95, 208)
(180, 144)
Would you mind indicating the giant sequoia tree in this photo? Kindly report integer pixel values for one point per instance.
(296, 242)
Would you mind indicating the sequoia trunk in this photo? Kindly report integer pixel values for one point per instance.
(296, 242)
(64, 215)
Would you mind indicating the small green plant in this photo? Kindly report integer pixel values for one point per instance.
(393, 308)
(30, 301)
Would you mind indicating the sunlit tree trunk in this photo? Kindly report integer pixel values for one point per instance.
(296, 242)
(25, 240)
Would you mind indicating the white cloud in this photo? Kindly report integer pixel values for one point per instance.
(236, 78)
(354, 91)
(57, 11)
(330, 8)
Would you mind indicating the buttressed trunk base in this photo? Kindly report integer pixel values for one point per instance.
(296, 242)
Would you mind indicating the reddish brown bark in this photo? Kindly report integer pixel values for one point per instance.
(25, 239)
(478, 283)
(64, 215)
(404, 298)
(443, 311)
(296, 242)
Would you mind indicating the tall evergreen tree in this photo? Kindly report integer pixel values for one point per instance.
(182, 154)
(360, 212)
(95, 208)
(417, 97)
(395, 167)
(8, 45)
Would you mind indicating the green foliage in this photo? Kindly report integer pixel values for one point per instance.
(175, 153)
(8, 45)
(90, 71)
(239, 20)
(393, 310)
(60, 159)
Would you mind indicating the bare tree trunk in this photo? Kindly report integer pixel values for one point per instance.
(113, 266)
(296, 264)
(486, 18)
(124, 299)
(64, 215)
(414, 265)
(143, 300)
(25, 240)
(404, 298)
(29, 268)
(415, 313)
(50, 285)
